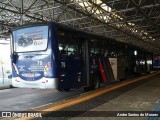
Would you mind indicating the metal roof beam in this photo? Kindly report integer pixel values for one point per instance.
(134, 8)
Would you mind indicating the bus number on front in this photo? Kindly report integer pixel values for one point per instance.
(39, 62)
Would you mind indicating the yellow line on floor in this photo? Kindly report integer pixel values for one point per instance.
(95, 94)
(74, 101)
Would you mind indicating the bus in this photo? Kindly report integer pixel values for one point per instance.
(51, 55)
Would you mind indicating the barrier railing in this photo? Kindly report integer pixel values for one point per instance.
(5, 75)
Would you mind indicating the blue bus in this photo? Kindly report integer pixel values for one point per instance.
(51, 55)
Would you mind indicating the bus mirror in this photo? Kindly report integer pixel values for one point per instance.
(14, 57)
(9, 31)
(10, 76)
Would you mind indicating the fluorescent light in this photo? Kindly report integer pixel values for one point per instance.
(99, 1)
(135, 52)
(145, 33)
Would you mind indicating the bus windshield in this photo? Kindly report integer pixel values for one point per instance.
(30, 39)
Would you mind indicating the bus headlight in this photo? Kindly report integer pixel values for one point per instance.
(15, 69)
(46, 68)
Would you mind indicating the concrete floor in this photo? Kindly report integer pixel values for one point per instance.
(142, 96)
(21, 99)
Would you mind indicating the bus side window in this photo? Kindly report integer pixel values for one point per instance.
(63, 52)
(61, 36)
(67, 42)
(94, 48)
(73, 43)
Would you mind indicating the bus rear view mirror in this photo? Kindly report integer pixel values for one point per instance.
(14, 57)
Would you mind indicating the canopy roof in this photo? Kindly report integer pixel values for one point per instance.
(131, 21)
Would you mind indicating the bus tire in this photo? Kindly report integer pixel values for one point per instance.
(66, 89)
(95, 82)
(59, 89)
(86, 89)
(11, 86)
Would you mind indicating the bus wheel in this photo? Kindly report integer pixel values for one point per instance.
(66, 89)
(59, 89)
(95, 82)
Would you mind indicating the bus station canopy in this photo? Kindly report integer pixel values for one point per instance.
(135, 22)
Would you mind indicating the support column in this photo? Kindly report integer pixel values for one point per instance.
(21, 13)
(86, 62)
